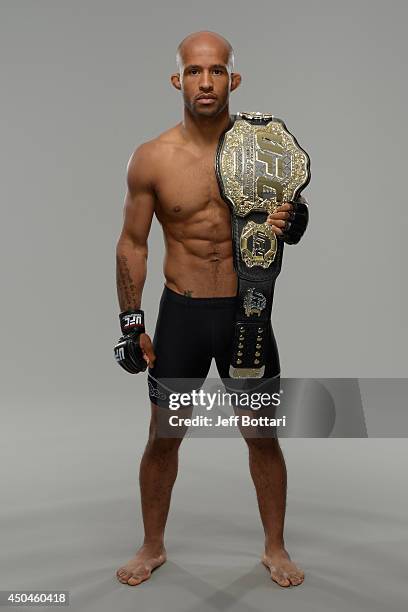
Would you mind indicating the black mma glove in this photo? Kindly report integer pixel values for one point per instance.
(298, 222)
(128, 353)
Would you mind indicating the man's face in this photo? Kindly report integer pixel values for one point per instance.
(205, 80)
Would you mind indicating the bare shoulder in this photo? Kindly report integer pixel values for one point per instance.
(172, 136)
(147, 159)
(140, 168)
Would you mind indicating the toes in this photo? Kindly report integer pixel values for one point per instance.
(123, 575)
(296, 579)
(280, 578)
(138, 578)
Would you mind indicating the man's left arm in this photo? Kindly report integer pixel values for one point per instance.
(290, 220)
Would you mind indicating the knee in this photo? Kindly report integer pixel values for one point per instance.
(161, 439)
(157, 446)
(263, 445)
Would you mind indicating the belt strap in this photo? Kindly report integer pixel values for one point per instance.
(258, 166)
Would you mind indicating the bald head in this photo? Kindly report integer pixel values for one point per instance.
(205, 76)
(201, 41)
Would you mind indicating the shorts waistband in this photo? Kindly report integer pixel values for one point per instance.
(210, 302)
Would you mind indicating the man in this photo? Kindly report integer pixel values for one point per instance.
(173, 177)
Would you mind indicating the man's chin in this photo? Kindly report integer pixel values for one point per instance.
(203, 110)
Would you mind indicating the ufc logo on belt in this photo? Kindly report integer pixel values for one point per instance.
(133, 320)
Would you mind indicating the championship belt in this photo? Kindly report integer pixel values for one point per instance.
(259, 165)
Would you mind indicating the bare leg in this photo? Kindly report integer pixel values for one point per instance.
(158, 472)
(268, 471)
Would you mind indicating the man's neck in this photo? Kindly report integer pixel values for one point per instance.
(205, 131)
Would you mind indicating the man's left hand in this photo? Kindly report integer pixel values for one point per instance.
(284, 212)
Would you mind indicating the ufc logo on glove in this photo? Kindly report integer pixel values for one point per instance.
(119, 353)
(132, 320)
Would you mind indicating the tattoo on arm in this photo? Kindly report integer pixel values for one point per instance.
(127, 291)
(188, 293)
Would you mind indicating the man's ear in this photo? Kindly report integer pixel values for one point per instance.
(175, 80)
(235, 80)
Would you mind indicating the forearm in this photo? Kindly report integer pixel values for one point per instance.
(131, 268)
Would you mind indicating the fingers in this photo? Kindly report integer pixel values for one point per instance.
(285, 211)
(277, 223)
(285, 206)
(147, 348)
(278, 219)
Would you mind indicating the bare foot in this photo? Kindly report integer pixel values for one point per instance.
(283, 570)
(140, 568)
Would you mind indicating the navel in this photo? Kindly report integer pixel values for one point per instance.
(214, 256)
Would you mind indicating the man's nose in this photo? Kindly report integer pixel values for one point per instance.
(206, 83)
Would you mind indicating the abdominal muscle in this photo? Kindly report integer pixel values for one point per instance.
(200, 267)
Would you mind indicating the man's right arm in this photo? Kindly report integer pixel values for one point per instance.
(134, 349)
(131, 249)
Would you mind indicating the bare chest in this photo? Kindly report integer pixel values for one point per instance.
(187, 185)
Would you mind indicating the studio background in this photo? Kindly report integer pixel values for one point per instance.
(83, 84)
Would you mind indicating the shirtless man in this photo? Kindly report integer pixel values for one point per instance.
(173, 177)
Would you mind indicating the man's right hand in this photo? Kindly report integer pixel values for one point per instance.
(134, 350)
(147, 348)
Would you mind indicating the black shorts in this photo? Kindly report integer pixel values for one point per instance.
(190, 332)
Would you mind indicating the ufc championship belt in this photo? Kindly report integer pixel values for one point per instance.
(259, 165)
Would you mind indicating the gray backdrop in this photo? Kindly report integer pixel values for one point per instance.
(83, 83)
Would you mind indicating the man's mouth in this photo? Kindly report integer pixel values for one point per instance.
(206, 99)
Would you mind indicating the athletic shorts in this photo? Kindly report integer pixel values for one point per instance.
(189, 333)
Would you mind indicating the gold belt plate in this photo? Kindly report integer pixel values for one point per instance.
(261, 165)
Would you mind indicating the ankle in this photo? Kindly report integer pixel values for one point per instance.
(155, 544)
(274, 544)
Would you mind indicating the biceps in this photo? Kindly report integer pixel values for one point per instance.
(137, 218)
